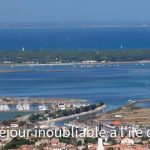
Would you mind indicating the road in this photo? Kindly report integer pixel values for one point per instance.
(72, 116)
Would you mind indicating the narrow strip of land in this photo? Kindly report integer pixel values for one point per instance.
(73, 116)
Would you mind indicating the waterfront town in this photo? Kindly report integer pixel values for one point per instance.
(74, 75)
(91, 126)
(39, 123)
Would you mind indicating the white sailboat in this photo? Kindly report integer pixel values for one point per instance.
(23, 49)
(121, 46)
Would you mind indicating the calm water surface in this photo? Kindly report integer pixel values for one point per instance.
(74, 38)
(113, 84)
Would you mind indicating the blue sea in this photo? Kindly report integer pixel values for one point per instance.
(74, 38)
(113, 84)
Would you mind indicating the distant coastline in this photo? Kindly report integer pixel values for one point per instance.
(71, 57)
(73, 25)
(64, 64)
(73, 63)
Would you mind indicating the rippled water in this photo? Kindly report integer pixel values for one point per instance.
(74, 38)
(114, 84)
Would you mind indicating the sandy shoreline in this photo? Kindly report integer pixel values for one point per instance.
(63, 64)
(128, 113)
(76, 63)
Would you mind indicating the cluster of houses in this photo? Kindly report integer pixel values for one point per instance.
(107, 143)
(55, 144)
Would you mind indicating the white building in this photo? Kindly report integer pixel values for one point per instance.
(127, 141)
(61, 106)
(100, 144)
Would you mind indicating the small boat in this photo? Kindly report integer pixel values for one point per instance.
(88, 66)
(121, 47)
(23, 49)
(82, 66)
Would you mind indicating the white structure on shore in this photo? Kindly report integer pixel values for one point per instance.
(23, 107)
(100, 144)
(61, 106)
(42, 107)
(4, 107)
(127, 141)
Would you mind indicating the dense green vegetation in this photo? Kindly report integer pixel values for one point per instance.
(65, 140)
(68, 112)
(36, 117)
(90, 140)
(61, 113)
(16, 143)
(65, 56)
